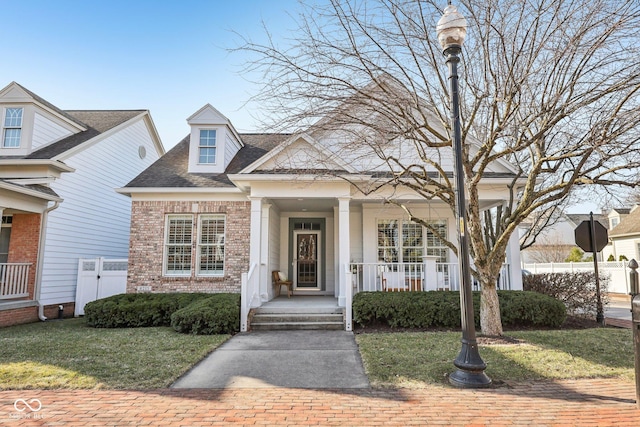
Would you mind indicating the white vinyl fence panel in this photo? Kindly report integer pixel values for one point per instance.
(99, 278)
(616, 271)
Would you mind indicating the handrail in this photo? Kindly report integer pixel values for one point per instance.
(245, 301)
(348, 322)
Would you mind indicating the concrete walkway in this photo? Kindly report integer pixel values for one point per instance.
(264, 359)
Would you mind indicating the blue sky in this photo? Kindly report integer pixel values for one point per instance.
(166, 56)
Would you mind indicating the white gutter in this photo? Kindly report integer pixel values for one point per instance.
(39, 261)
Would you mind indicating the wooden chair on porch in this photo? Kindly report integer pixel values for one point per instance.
(279, 281)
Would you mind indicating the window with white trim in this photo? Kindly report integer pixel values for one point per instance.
(12, 128)
(435, 245)
(207, 146)
(409, 243)
(178, 240)
(211, 245)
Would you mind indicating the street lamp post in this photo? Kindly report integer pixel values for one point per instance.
(452, 29)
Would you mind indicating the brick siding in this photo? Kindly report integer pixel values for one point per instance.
(148, 220)
(18, 316)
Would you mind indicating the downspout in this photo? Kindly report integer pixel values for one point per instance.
(39, 267)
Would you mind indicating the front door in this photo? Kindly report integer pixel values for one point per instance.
(307, 259)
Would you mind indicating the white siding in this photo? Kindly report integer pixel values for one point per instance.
(46, 131)
(231, 148)
(627, 247)
(93, 220)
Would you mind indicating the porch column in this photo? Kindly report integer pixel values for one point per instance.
(343, 247)
(255, 248)
(513, 259)
(264, 254)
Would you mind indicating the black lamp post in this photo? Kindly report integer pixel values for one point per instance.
(452, 29)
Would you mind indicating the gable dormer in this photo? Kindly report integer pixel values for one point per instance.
(213, 141)
(27, 122)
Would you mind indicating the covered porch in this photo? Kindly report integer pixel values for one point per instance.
(23, 214)
(331, 242)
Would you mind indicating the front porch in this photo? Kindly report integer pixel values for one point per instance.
(331, 242)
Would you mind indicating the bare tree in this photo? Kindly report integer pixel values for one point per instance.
(550, 86)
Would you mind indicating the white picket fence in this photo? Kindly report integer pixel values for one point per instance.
(617, 271)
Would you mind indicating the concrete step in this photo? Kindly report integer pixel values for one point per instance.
(293, 319)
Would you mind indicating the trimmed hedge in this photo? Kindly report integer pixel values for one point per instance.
(141, 310)
(441, 309)
(218, 314)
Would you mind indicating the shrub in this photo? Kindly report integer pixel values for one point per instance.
(576, 290)
(441, 309)
(217, 314)
(137, 310)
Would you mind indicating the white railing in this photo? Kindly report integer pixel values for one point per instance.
(616, 271)
(246, 295)
(407, 277)
(348, 318)
(14, 280)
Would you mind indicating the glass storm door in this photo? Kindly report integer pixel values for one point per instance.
(307, 247)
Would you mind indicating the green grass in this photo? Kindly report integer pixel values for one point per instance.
(415, 359)
(68, 354)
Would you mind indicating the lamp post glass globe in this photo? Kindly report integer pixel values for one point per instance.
(451, 30)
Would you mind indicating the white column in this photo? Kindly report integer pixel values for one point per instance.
(265, 281)
(513, 259)
(343, 247)
(255, 248)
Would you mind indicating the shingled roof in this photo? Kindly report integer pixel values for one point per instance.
(628, 225)
(172, 169)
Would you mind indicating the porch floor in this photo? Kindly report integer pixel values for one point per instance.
(302, 302)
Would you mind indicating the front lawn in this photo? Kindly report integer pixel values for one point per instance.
(68, 354)
(412, 359)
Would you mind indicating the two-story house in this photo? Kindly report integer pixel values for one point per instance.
(58, 171)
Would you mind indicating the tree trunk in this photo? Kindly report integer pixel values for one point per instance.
(490, 321)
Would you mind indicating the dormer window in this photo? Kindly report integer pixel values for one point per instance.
(207, 147)
(12, 128)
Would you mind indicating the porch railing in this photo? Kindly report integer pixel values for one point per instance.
(14, 280)
(407, 277)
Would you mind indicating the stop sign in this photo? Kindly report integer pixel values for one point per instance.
(583, 236)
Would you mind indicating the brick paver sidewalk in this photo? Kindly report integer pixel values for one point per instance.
(562, 403)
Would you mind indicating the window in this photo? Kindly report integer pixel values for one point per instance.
(388, 240)
(12, 128)
(614, 222)
(435, 245)
(408, 244)
(211, 245)
(5, 238)
(207, 146)
(178, 240)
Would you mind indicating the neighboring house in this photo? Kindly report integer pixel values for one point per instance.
(625, 237)
(58, 171)
(555, 241)
(222, 210)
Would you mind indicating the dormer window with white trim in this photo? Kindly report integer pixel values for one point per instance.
(207, 147)
(12, 128)
(213, 142)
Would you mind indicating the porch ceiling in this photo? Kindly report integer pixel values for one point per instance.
(305, 204)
